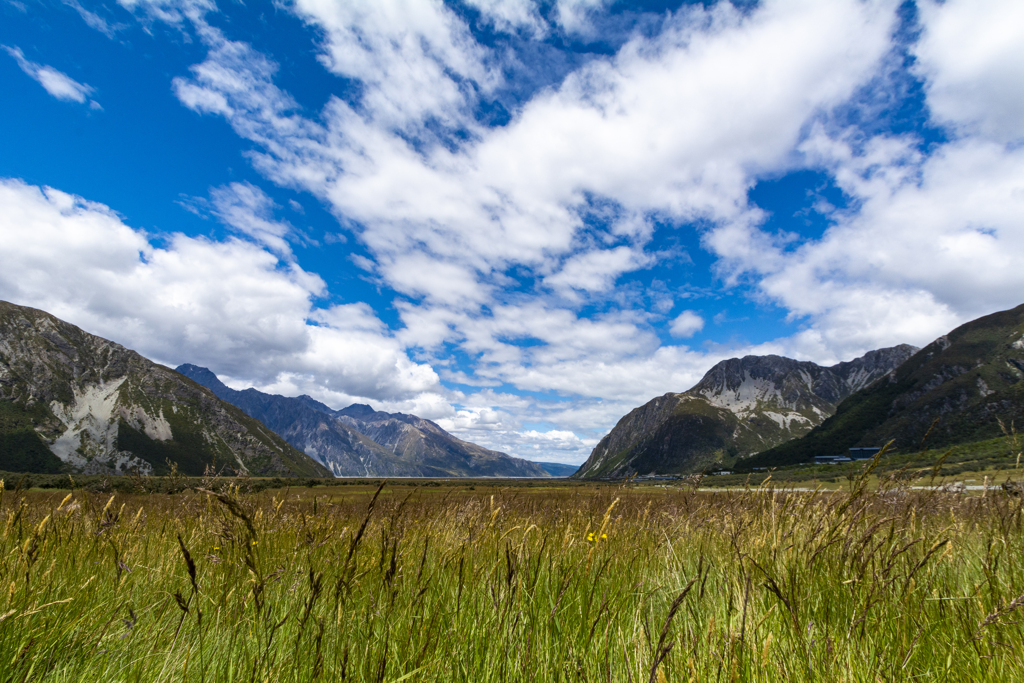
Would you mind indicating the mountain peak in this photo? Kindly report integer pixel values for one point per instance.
(740, 406)
(358, 410)
(201, 375)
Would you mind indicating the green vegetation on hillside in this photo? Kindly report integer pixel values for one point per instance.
(994, 458)
(21, 448)
(853, 418)
(188, 450)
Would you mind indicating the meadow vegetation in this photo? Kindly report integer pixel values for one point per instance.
(511, 583)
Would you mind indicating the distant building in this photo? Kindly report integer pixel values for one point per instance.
(830, 459)
(852, 454)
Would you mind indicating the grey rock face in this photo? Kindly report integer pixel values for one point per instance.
(97, 407)
(362, 442)
(740, 407)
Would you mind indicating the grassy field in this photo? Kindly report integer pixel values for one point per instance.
(476, 582)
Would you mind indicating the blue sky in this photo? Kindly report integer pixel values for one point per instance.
(521, 219)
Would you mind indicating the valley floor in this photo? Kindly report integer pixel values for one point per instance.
(510, 581)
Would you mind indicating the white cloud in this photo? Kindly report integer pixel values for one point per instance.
(575, 16)
(94, 20)
(677, 126)
(932, 241)
(248, 209)
(686, 324)
(501, 428)
(511, 15)
(231, 306)
(932, 244)
(597, 271)
(174, 12)
(410, 55)
(674, 125)
(971, 54)
(473, 419)
(495, 237)
(629, 129)
(57, 83)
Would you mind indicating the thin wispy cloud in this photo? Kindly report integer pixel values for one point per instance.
(95, 21)
(57, 83)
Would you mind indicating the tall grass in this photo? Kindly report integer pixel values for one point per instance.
(541, 584)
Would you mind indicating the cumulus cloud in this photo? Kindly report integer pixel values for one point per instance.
(452, 212)
(57, 83)
(416, 59)
(232, 305)
(575, 16)
(686, 324)
(971, 55)
(930, 240)
(498, 239)
(626, 128)
(445, 224)
(597, 270)
(501, 427)
(931, 246)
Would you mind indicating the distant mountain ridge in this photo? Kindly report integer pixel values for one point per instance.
(360, 441)
(740, 407)
(74, 402)
(952, 390)
(557, 469)
(307, 425)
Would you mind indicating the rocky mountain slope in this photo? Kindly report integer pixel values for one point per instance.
(422, 441)
(360, 441)
(954, 391)
(309, 426)
(73, 402)
(740, 407)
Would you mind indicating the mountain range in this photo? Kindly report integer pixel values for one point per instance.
(73, 402)
(954, 390)
(360, 441)
(742, 406)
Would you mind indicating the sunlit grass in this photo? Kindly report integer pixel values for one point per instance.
(511, 584)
